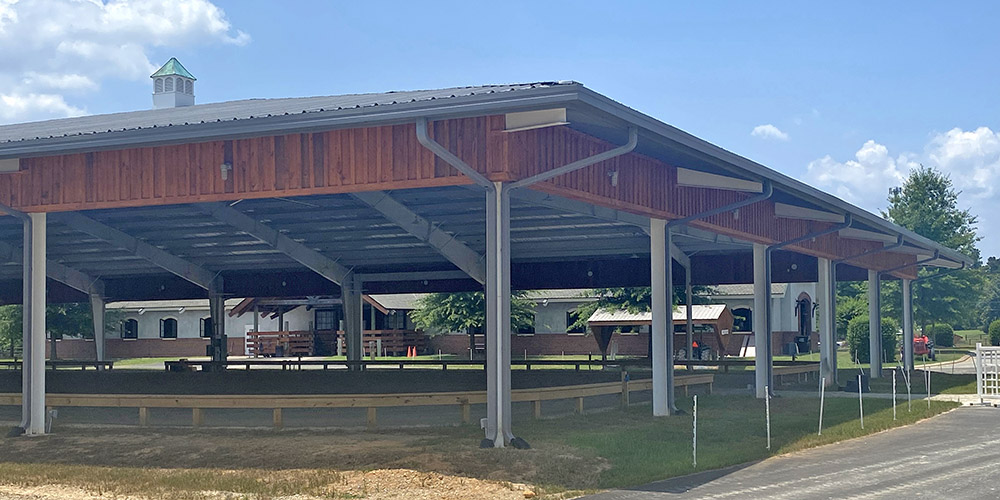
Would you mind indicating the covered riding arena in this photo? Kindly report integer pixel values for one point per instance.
(496, 188)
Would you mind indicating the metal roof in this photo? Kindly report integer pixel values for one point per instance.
(588, 111)
(743, 290)
(706, 312)
(117, 125)
(173, 67)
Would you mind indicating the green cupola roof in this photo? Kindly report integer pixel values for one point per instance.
(173, 67)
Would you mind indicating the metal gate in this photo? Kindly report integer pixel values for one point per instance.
(987, 372)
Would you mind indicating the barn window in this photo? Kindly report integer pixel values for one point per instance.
(169, 85)
(206, 327)
(130, 329)
(168, 328)
(529, 328)
(158, 86)
(571, 318)
(188, 87)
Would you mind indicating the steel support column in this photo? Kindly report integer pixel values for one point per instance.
(26, 352)
(689, 319)
(761, 299)
(217, 311)
(36, 371)
(874, 324)
(662, 317)
(907, 325)
(827, 299)
(97, 310)
(350, 291)
(498, 406)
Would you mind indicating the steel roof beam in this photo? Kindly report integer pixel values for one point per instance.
(446, 244)
(317, 262)
(191, 272)
(66, 275)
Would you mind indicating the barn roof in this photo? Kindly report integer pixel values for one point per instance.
(707, 312)
(586, 111)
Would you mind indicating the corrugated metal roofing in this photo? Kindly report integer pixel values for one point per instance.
(777, 290)
(167, 305)
(707, 312)
(398, 301)
(238, 110)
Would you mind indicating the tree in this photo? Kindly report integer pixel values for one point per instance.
(466, 312)
(10, 329)
(858, 339)
(61, 320)
(994, 330)
(927, 204)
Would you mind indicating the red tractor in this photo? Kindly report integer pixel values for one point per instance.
(923, 346)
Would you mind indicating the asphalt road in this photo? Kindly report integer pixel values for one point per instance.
(954, 456)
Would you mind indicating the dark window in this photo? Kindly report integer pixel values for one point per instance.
(742, 319)
(206, 327)
(327, 319)
(130, 329)
(168, 328)
(529, 328)
(572, 317)
(396, 320)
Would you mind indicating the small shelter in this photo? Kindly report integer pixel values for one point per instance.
(710, 323)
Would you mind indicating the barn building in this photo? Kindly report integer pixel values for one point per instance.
(543, 185)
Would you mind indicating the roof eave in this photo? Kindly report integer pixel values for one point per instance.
(781, 181)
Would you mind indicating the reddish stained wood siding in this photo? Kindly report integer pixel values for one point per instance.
(649, 187)
(390, 157)
(295, 164)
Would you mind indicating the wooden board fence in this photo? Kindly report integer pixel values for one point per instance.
(463, 399)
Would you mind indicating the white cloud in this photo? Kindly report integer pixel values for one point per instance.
(970, 158)
(768, 131)
(55, 47)
(14, 105)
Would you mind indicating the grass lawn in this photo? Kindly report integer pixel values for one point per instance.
(970, 337)
(572, 454)
(844, 358)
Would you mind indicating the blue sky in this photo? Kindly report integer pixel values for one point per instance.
(847, 96)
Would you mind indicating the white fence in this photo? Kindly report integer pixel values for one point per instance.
(987, 372)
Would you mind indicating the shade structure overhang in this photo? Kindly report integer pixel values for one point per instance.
(561, 237)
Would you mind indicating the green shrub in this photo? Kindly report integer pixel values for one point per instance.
(995, 332)
(857, 338)
(943, 335)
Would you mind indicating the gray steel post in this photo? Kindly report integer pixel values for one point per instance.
(689, 323)
(874, 325)
(669, 318)
(26, 354)
(761, 296)
(827, 323)
(36, 424)
(907, 325)
(217, 311)
(353, 317)
(659, 257)
(97, 310)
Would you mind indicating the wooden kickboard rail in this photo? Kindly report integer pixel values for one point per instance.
(799, 371)
(197, 403)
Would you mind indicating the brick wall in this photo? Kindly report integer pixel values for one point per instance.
(546, 343)
(138, 348)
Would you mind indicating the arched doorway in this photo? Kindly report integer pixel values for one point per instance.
(804, 312)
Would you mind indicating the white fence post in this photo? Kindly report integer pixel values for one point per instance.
(822, 395)
(894, 394)
(861, 403)
(694, 439)
(767, 413)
